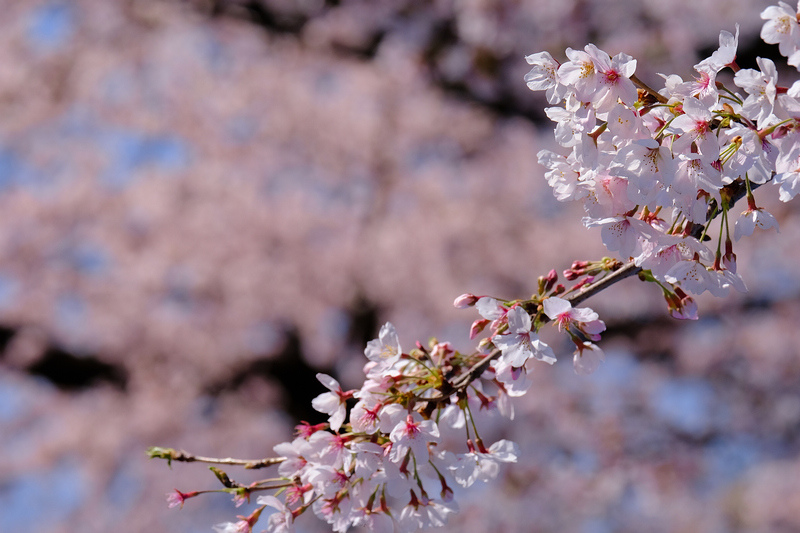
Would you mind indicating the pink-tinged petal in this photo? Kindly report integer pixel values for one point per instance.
(583, 314)
(489, 308)
(588, 358)
(337, 418)
(554, 306)
(271, 501)
(505, 451)
(329, 382)
(519, 321)
(326, 402)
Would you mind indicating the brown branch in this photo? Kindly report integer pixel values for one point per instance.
(652, 92)
(630, 269)
(171, 454)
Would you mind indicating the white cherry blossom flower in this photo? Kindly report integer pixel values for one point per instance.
(520, 343)
(514, 379)
(660, 255)
(622, 233)
(332, 403)
(413, 434)
(336, 511)
(726, 53)
(281, 521)
(579, 73)
(564, 176)
(374, 522)
(326, 480)
(751, 219)
(331, 449)
(296, 454)
(483, 465)
(543, 76)
(364, 417)
(761, 87)
(697, 278)
(424, 512)
(781, 28)
(233, 527)
(561, 312)
(385, 350)
(648, 166)
(704, 87)
(695, 174)
(614, 79)
(587, 358)
(695, 126)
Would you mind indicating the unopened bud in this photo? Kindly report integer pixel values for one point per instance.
(729, 259)
(465, 300)
(483, 345)
(480, 445)
(552, 278)
(477, 327)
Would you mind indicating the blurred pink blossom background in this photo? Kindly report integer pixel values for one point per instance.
(204, 203)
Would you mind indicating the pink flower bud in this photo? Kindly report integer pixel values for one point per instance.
(551, 279)
(465, 300)
(571, 274)
(477, 327)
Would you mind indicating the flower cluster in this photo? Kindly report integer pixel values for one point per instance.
(653, 170)
(386, 468)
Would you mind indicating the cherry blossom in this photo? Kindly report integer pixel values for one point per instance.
(564, 315)
(751, 219)
(520, 343)
(580, 72)
(386, 349)
(614, 79)
(587, 358)
(725, 55)
(695, 126)
(781, 28)
(176, 498)
(483, 465)
(332, 403)
(543, 77)
(281, 521)
(413, 434)
(761, 88)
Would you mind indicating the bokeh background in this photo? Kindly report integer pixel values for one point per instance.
(204, 203)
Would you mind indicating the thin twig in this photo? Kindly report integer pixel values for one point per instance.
(171, 454)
